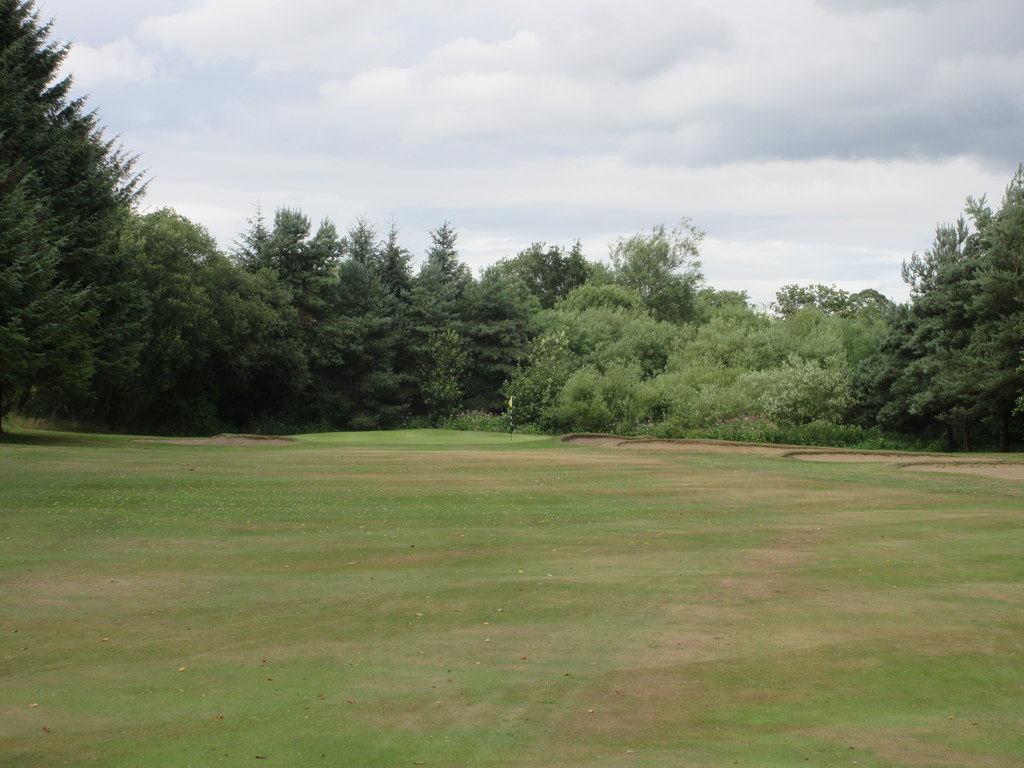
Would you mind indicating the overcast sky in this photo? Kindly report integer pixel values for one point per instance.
(814, 140)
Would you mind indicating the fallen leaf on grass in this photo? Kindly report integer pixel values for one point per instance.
(182, 669)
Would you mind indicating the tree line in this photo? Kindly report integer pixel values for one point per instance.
(136, 321)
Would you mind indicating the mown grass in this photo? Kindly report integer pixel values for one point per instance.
(461, 599)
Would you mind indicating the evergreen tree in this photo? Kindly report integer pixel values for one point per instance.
(442, 267)
(248, 249)
(361, 244)
(78, 187)
(952, 357)
(498, 313)
(41, 317)
(393, 266)
(997, 310)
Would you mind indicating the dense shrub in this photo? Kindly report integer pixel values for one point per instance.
(482, 421)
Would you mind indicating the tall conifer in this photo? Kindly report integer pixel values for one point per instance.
(72, 187)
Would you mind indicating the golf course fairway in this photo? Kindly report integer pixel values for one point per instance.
(472, 599)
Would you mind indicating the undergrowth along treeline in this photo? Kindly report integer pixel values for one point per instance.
(137, 321)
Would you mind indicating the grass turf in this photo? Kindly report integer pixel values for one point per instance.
(461, 599)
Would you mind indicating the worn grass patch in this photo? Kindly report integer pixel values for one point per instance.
(453, 599)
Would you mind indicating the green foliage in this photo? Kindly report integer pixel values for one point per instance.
(663, 267)
(612, 400)
(248, 249)
(391, 265)
(536, 382)
(952, 359)
(600, 296)
(816, 433)
(601, 336)
(711, 302)
(548, 272)
(484, 421)
(695, 397)
(442, 269)
(498, 319)
(34, 304)
(443, 379)
(476, 421)
(800, 391)
(829, 300)
(437, 291)
(140, 322)
(64, 190)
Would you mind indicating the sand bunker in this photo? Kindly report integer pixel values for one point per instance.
(1006, 471)
(219, 440)
(913, 461)
(841, 456)
(692, 446)
(600, 441)
(705, 446)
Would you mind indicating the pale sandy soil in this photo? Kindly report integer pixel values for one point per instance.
(695, 446)
(911, 461)
(1001, 471)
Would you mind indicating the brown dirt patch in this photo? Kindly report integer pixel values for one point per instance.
(1000, 471)
(600, 441)
(915, 461)
(693, 446)
(245, 440)
(841, 456)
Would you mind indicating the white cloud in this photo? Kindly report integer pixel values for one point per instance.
(808, 140)
(276, 35)
(117, 62)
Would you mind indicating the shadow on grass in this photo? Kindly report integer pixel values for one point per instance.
(42, 438)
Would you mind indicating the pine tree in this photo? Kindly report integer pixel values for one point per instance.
(72, 188)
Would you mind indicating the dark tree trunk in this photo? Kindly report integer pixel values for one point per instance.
(1004, 431)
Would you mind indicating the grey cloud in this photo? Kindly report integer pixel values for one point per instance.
(860, 7)
(986, 131)
(947, 27)
(639, 40)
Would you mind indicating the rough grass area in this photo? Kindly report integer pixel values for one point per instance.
(463, 599)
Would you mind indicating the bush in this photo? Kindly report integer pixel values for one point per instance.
(481, 421)
(744, 429)
(613, 401)
(475, 421)
(800, 391)
(816, 433)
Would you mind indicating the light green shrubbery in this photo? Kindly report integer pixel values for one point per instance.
(595, 401)
(799, 391)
